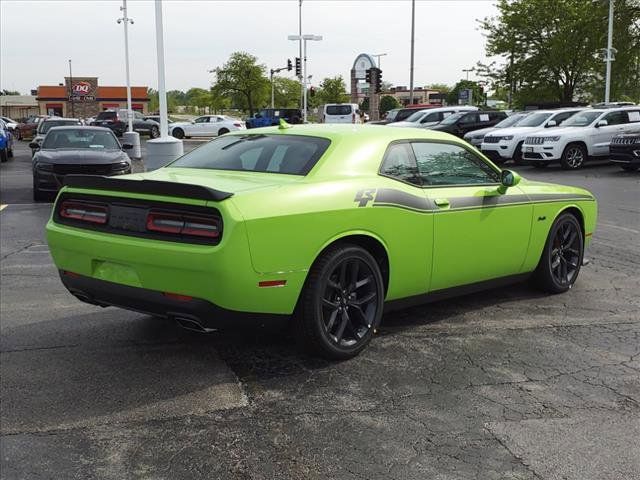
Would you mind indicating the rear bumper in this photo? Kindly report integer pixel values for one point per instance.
(198, 311)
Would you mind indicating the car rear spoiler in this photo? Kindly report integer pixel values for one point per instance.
(151, 187)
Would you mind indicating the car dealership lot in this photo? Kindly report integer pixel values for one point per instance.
(503, 384)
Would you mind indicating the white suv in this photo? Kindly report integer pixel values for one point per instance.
(586, 134)
(506, 144)
(431, 116)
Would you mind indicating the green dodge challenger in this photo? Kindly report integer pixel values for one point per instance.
(327, 225)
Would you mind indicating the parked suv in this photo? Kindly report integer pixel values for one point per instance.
(400, 114)
(268, 117)
(625, 150)
(116, 120)
(340, 113)
(476, 136)
(506, 144)
(585, 135)
(463, 122)
(431, 116)
(45, 125)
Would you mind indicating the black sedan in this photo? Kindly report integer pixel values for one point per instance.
(82, 150)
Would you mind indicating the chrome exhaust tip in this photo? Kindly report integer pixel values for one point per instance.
(193, 324)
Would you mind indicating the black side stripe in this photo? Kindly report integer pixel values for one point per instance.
(387, 197)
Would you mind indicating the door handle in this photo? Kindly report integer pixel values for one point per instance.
(442, 202)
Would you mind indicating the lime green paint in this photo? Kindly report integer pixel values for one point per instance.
(276, 225)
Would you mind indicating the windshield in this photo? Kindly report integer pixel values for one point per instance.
(581, 119)
(391, 114)
(339, 109)
(80, 140)
(44, 127)
(288, 154)
(534, 120)
(511, 121)
(453, 118)
(415, 117)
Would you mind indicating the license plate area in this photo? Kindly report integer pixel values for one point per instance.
(528, 149)
(131, 219)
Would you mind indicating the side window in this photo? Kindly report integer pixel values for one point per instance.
(399, 163)
(616, 118)
(137, 115)
(202, 120)
(468, 118)
(446, 164)
(561, 117)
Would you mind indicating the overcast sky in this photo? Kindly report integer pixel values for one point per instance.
(38, 37)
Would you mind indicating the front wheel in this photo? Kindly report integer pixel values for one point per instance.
(341, 303)
(573, 157)
(178, 133)
(154, 132)
(562, 255)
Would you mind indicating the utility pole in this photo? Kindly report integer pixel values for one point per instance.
(378, 55)
(609, 57)
(467, 70)
(300, 77)
(73, 115)
(126, 20)
(413, 25)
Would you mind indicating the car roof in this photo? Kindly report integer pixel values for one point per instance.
(80, 127)
(57, 119)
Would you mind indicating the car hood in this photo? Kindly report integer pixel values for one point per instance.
(84, 157)
(404, 124)
(482, 131)
(503, 132)
(552, 132)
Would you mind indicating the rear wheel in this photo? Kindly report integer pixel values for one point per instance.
(573, 157)
(4, 156)
(222, 131)
(341, 304)
(562, 255)
(178, 133)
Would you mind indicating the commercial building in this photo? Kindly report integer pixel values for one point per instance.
(82, 97)
(18, 107)
(421, 96)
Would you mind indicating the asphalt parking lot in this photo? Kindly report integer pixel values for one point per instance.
(506, 384)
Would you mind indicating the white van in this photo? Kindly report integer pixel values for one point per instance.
(340, 113)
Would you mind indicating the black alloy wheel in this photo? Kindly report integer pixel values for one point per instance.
(342, 303)
(573, 157)
(562, 256)
(178, 133)
(154, 132)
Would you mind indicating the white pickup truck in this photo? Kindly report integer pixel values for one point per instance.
(584, 136)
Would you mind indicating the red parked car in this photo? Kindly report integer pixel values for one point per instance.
(27, 129)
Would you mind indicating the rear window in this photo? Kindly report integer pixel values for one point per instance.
(47, 125)
(339, 109)
(106, 116)
(287, 154)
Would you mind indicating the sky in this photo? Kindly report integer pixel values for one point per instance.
(37, 38)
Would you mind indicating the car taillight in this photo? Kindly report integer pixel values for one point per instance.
(236, 124)
(84, 211)
(183, 224)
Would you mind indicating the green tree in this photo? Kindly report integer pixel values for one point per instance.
(286, 92)
(9, 92)
(387, 102)
(332, 90)
(244, 80)
(550, 48)
(477, 95)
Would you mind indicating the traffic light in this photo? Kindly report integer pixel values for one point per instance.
(289, 65)
(312, 91)
(298, 66)
(368, 76)
(378, 81)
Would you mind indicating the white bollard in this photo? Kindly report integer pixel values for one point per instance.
(132, 138)
(162, 151)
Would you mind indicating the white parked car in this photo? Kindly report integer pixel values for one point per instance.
(340, 113)
(585, 135)
(475, 137)
(506, 144)
(206, 126)
(10, 124)
(431, 116)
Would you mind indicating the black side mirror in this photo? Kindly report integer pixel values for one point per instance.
(127, 146)
(34, 146)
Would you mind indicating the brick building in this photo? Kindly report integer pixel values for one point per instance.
(82, 97)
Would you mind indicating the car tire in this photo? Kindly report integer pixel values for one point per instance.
(222, 131)
(38, 195)
(573, 157)
(517, 154)
(562, 256)
(10, 152)
(3, 155)
(154, 132)
(178, 133)
(341, 303)
(629, 168)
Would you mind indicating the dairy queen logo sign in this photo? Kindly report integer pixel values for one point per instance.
(81, 88)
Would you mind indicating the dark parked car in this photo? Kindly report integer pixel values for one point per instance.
(400, 114)
(268, 117)
(27, 129)
(116, 120)
(625, 150)
(79, 150)
(463, 122)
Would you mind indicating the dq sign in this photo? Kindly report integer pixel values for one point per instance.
(81, 88)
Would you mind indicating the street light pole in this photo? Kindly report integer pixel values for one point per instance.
(378, 55)
(126, 20)
(609, 55)
(413, 25)
(467, 70)
(73, 115)
(304, 38)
